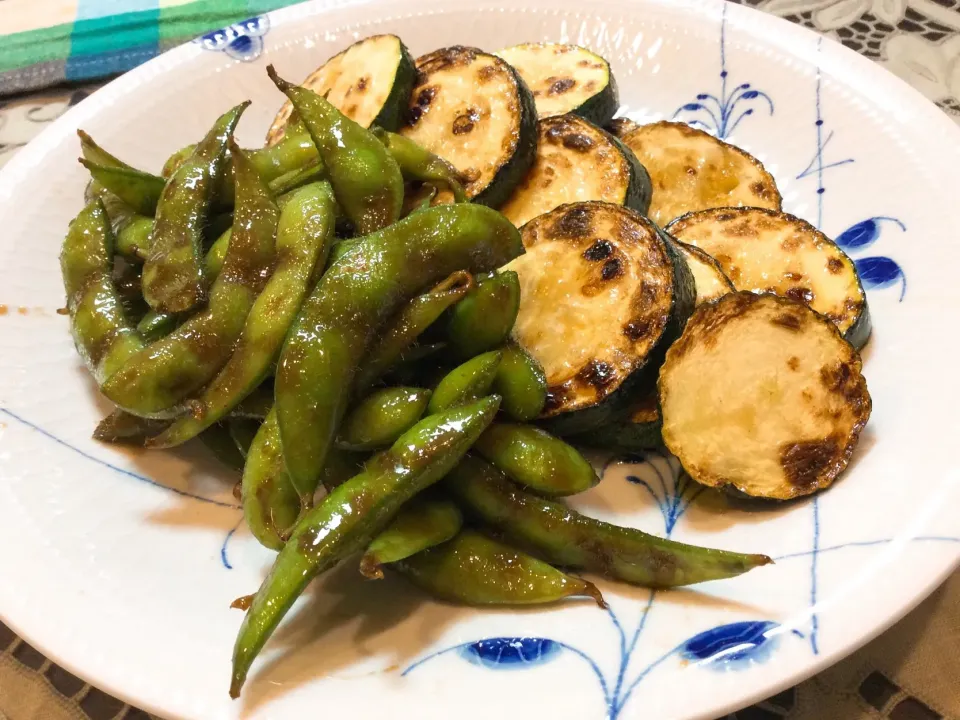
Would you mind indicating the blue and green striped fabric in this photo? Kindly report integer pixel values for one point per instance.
(46, 42)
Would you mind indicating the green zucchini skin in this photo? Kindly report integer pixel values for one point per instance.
(512, 172)
(600, 108)
(644, 379)
(395, 106)
(629, 434)
(640, 189)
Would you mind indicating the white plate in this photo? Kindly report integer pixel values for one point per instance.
(121, 567)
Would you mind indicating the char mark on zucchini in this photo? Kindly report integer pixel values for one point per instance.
(577, 161)
(762, 394)
(369, 82)
(621, 127)
(766, 251)
(603, 294)
(473, 109)
(692, 170)
(566, 79)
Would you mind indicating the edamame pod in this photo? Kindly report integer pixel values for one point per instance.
(94, 153)
(522, 384)
(271, 504)
(567, 538)
(257, 404)
(102, 333)
(465, 383)
(404, 329)
(133, 237)
(304, 232)
(172, 277)
(139, 190)
(418, 163)
(382, 417)
(352, 302)
(483, 320)
(473, 569)
(537, 459)
(166, 372)
(154, 325)
(347, 519)
(365, 177)
(121, 427)
(422, 523)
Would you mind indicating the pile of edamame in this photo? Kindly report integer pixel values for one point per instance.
(308, 313)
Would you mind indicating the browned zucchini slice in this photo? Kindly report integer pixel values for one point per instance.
(369, 82)
(709, 278)
(765, 251)
(762, 394)
(577, 161)
(472, 109)
(566, 79)
(692, 170)
(603, 293)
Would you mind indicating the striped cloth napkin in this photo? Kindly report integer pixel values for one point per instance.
(47, 42)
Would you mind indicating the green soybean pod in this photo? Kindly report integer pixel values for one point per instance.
(567, 538)
(483, 320)
(381, 417)
(465, 383)
(473, 569)
(535, 458)
(422, 523)
(522, 384)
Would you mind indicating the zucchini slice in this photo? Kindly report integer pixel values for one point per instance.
(603, 293)
(692, 170)
(473, 110)
(762, 394)
(639, 430)
(566, 79)
(369, 82)
(577, 161)
(708, 276)
(766, 251)
(621, 126)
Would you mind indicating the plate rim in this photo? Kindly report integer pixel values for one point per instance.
(842, 62)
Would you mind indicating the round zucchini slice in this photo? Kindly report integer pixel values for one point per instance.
(709, 278)
(692, 170)
(763, 395)
(473, 110)
(369, 82)
(639, 430)
(765, 251)
(603, 293)
(566, 79)
(577, 161)
(620, 127)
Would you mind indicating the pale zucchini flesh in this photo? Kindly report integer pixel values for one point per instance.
(369, 82)
(566, 79)
(576, 161)
(473, 110)
(709, 278)
(766, 251)
(763, 395)
(692, 170)
(603, 293)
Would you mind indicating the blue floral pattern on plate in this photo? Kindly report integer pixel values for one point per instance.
(241, 41)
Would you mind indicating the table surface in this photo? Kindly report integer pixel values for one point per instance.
(912, 672)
